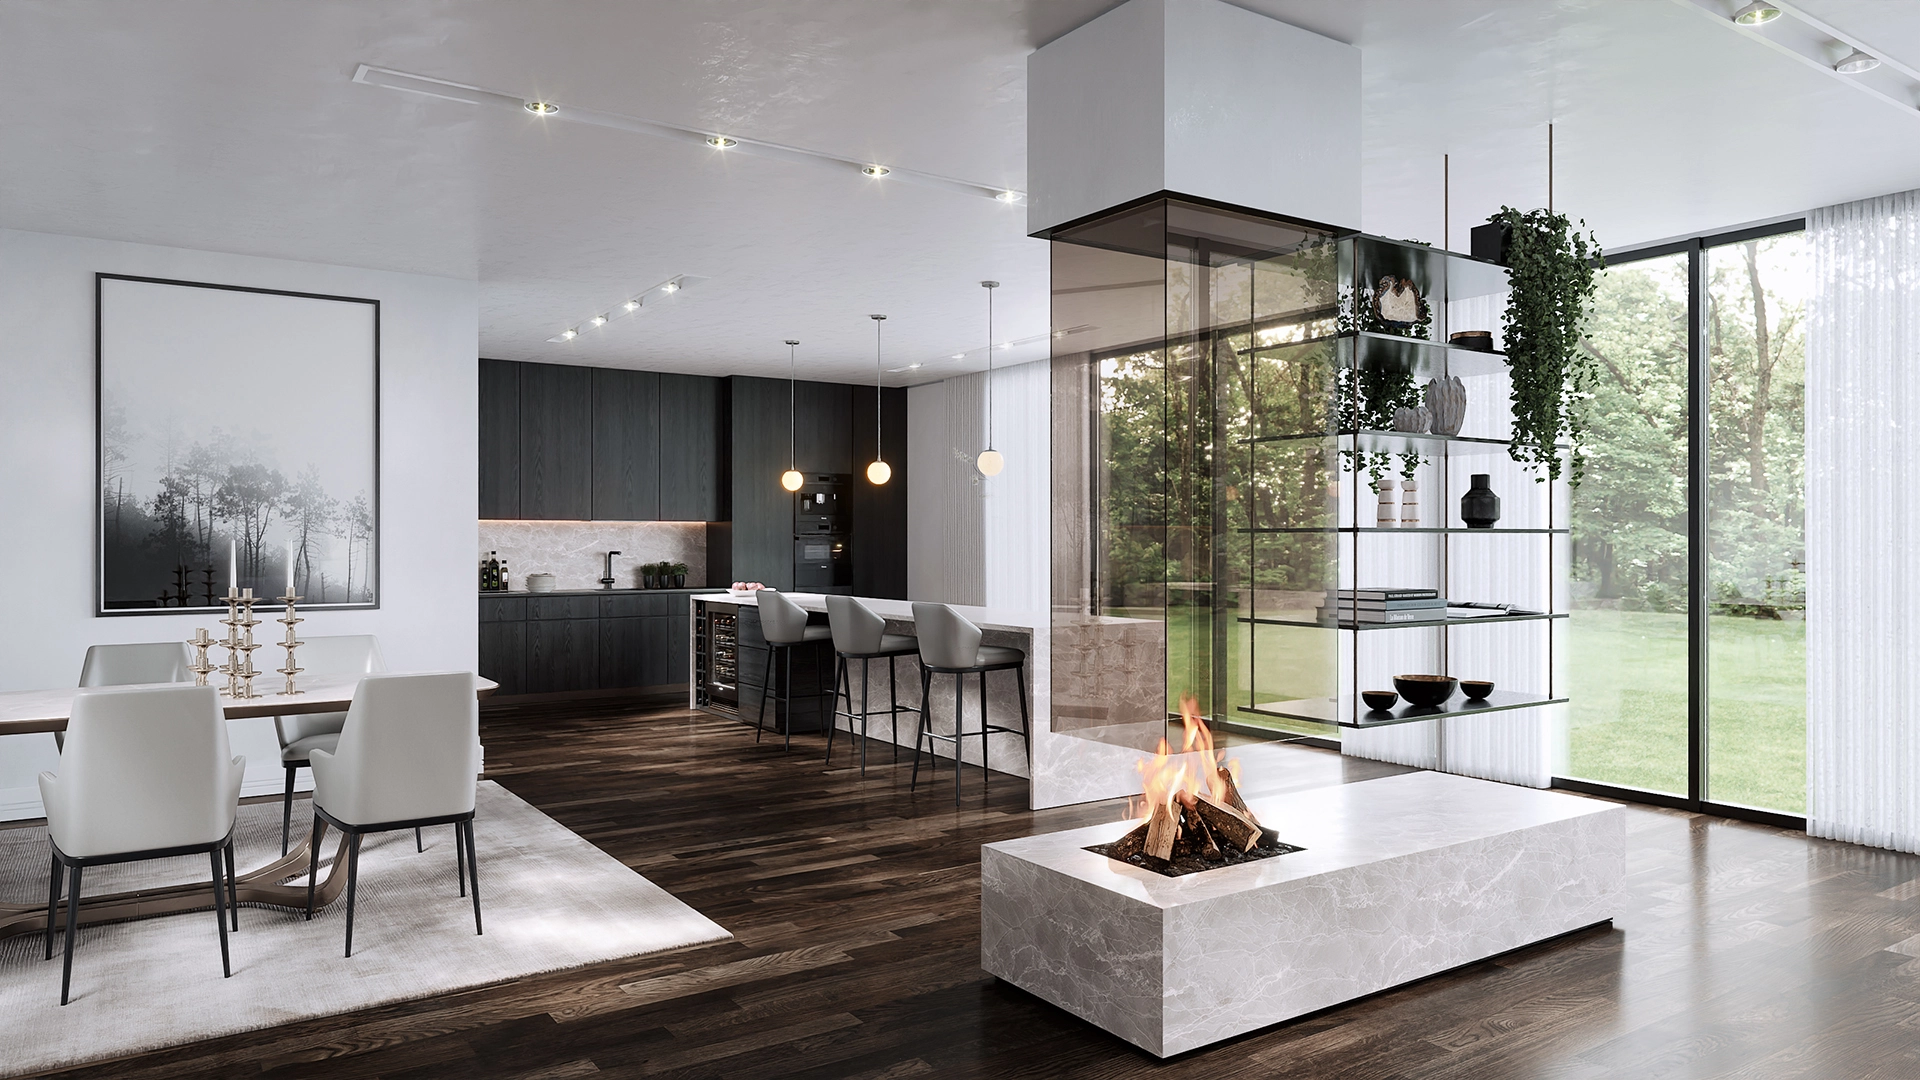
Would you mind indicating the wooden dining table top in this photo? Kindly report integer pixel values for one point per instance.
(23, 712)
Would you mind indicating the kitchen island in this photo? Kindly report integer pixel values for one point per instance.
(1063, 767)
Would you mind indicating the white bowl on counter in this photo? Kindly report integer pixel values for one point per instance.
(540, 583)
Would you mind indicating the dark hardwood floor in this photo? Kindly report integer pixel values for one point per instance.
(1743, 951)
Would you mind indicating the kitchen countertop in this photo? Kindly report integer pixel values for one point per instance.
(593, 592)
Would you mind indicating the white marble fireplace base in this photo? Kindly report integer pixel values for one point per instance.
(1402, 877)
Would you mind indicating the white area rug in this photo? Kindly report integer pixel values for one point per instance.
(549, 900)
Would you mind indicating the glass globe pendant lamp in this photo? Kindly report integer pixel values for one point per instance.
(791, 479)
(990, 462)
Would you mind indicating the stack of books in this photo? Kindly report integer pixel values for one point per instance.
(1386, 606)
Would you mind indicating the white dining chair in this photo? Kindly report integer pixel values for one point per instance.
(146, 773)
(131, 663)
(407, 757)
(300, 734)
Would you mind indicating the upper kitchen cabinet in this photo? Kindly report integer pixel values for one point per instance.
(556, 441)
(823, 423)
(499, 439)
(693, 449)
(626, 468)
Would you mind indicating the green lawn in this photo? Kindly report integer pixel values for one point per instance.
(1627, 675)
(1627, 682)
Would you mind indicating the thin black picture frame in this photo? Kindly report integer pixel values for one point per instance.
(100, 278)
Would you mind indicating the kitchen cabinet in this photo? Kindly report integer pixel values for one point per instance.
(503, 643)
(626, 460)
(762, 510)
(499, 439)
(692, 448)
(569, 642)
(556, 442)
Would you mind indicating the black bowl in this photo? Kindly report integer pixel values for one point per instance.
(1379, 700)
(1477, 340)
(1425, 690)
(1476, 689)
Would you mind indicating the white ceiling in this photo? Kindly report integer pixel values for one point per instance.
(234, 125)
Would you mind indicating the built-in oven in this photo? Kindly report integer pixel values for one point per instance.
(821, 563)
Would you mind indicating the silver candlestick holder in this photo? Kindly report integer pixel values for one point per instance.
(239, 643)
(201, 667)
(290, 620)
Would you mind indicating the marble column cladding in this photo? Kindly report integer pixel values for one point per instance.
(574, 552)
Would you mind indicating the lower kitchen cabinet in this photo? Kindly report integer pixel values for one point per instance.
(563, 654)
(573, 642)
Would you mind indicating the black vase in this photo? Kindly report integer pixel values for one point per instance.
(1480, 507)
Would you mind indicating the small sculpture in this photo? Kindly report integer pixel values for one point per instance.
(1412, 420)
(1480, 507)
(1387, 514)
(1410, 505)
(1447, 404)
(1397, 302)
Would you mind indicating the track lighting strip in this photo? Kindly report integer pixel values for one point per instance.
(1820, 46)
(633, 305)
(712, 141)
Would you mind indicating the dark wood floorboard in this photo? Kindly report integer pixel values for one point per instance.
(1742, 952)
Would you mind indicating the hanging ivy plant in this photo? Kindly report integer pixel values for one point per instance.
(1554, 268)
(1368, 398)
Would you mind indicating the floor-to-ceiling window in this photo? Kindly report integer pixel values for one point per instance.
(1687, 659)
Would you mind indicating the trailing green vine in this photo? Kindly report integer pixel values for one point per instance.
(1553, 269)
(1368, 398)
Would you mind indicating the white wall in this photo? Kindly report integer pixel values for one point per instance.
(974, 539)
(429, 339)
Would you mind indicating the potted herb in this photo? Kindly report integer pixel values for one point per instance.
(1553, 268)
(650, 575)
(679, 572)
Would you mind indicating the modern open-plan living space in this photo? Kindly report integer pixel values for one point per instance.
(974, 538)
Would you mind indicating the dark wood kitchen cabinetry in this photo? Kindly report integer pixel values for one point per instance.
(572, 642)
(626, 445)
(693, 451)
(556, 442)
(499, 439)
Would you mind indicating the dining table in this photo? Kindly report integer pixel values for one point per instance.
(24, 712)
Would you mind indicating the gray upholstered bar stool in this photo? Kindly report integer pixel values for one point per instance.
(861, 634)
(784, 624)
(950, 645)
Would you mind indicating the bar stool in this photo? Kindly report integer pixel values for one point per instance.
(950, 645)
(784, 624)
(861, 634)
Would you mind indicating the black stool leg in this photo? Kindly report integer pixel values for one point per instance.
(959, 729)
(473, 872)
(73, 923)
(833, 717)
(286, 810)
(921, 732)
(866, 708)
(786, 698)
(53, 899)
(893, 711)
(353, 881)
(220, 910)
(1026, 725)
(986, 737)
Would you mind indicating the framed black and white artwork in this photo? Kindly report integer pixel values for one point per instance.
(239, 445)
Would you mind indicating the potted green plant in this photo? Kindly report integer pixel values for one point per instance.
(650, 575)
(1553, 268)
(679, 572)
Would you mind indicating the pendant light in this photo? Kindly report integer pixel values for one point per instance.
(879, 472)
(791, 479)
(990, 462)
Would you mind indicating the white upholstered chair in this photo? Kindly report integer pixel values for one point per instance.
(136, 662)
(407, 757)
(146, 773)
(302, 733)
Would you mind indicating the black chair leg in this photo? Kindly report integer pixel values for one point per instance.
(353, 880)
(419, 845)
(286, 811)
(73, 924)
(893, 710)
(460, 856)
(959, 729)
(866, 707)
(1026, 724)
(786, 698)
(233, 888)
(833, 714)
(760, 727)
(53, 899)
(986, 737)
(473, 872)
(921, 732)
(220, 910)
(313, 863)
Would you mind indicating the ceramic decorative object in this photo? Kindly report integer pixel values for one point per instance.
(1446, 405)
(1476, 689)
(539, 582)
(1409, 504)
(1477, 340)
(1379, 700)
(1424, 690)
(1410, 419)
(1388, 513)
(1480, 507)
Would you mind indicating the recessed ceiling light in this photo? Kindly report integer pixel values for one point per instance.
(632, 305)
(598, 320)
(542, 108)
(959, 356)
(913, 367)
(721, 142)
(670, 287)
(875, 171)
(1856, 62)
(1756, 13)
(1008, 196)
(569, 334)
(1006, 344)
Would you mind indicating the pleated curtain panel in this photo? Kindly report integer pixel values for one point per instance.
(1863, 523)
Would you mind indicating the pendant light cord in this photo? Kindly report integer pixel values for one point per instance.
(989, 286)
(793, 376)
(879, 448)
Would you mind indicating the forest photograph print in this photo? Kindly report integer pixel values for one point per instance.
(238, 445)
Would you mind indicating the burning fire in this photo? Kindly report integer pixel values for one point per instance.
(1168, 776)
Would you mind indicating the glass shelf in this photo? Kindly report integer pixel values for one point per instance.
(1445, 274)
(1376, 530)
(1328, 625)
(1367, 349)
(1351, 713)
(1392, 441)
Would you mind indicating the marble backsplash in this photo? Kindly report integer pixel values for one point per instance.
(574, 552)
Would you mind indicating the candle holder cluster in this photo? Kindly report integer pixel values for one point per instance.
(289, 620)
(239, 643)
(202, 667)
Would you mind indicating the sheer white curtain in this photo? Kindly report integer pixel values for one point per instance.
(1863, 523)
